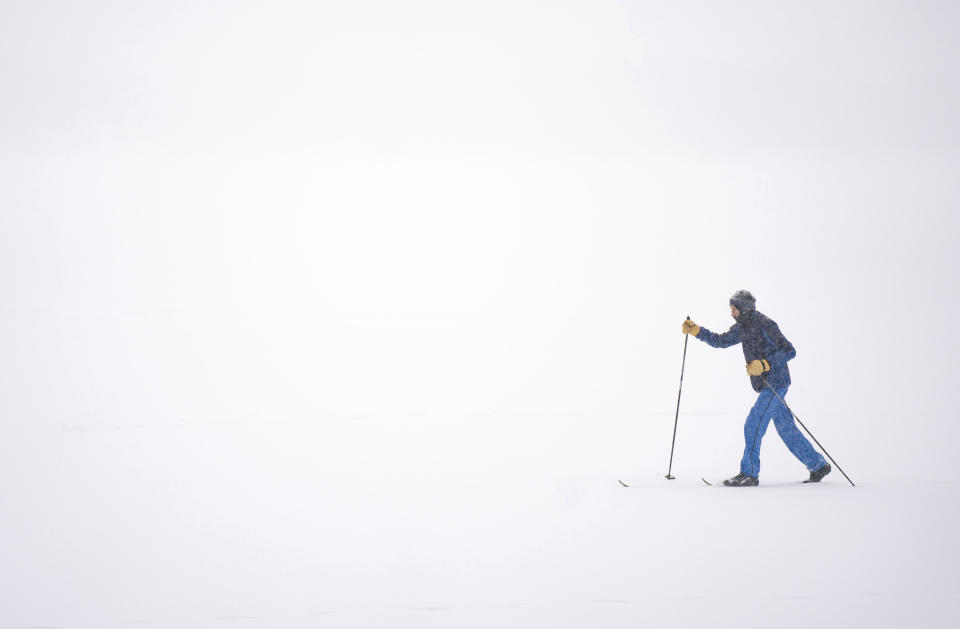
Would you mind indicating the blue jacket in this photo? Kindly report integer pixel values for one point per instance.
(762, 339)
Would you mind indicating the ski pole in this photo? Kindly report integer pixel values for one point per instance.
(807, 431)
(686, 337)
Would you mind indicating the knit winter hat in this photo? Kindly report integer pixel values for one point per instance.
(744, 301)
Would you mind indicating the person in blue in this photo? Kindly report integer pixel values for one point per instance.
(767, 351)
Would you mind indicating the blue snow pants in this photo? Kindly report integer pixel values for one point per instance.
(768, 407)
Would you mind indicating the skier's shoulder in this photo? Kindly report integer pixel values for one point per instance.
(764, 320)
(768, 326)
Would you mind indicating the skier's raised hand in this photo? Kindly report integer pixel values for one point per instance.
(689, 327)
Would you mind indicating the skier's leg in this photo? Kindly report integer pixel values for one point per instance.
(753, 431)
(793, 438)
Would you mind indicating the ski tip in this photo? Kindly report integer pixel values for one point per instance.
(706, 481)
(623, 483)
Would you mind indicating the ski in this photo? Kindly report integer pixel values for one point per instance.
(622, 483)
(706, 481)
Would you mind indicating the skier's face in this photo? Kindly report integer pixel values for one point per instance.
(734, 312)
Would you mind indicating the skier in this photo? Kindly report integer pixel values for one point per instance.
(767, 351)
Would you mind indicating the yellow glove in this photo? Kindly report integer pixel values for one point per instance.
(757, 367)
(689, 327)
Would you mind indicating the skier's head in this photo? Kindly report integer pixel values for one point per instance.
(742, 303)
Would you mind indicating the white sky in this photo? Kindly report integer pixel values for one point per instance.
(444, 216)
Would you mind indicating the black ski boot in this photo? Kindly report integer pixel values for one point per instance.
(817, 475)
(742, 480)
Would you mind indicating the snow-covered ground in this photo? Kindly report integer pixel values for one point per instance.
(352, 314)
(506, 521)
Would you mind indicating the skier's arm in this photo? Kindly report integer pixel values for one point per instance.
(785, 350)
(728, 338)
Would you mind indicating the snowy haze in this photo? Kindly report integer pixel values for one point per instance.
(351, 314)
